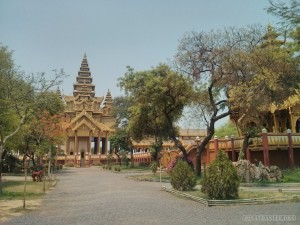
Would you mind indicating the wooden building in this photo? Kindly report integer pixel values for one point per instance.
(89, 119)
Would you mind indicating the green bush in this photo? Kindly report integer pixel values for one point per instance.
(69, 164)
(183, 177)
(96, 164)
(117, 168)
(154, 166)
(221, 180)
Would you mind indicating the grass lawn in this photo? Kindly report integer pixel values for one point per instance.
(291, 176)
(151, 177)
(11, 201)
(138, 169)
(13, 190)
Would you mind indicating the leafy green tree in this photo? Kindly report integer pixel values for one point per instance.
(121, 141)
(18, 97)
(158, 97)
(221, 180)
(120, 108)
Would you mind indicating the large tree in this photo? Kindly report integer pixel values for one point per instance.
(240, 72)
(18, 97)
(208, 58)
(272, 75)
(159, 95)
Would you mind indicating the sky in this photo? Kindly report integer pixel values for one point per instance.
(55, 34)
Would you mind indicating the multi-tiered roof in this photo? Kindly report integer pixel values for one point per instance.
(84, 88)
(85, 104)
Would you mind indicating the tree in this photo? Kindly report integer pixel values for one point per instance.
(120, 108)
(18, 96)
(121, 140)
(159, 97)
(289, 16)
(271, 70)
(45, 126)
(207, 57)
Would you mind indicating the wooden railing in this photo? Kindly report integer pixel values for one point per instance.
(265, 142)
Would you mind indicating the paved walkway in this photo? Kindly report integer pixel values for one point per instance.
(94, 196)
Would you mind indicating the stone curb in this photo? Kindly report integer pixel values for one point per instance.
(254, 201)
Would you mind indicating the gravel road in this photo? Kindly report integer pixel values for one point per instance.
(86, 196)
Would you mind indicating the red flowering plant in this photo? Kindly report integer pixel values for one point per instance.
(172, 164)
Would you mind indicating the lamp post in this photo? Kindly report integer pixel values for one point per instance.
(159, 156)
(198, 156)
(25, 181)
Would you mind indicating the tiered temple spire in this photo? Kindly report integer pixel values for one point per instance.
(84, 88)
(108, 98)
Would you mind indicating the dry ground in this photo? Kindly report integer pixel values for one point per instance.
(11, 208)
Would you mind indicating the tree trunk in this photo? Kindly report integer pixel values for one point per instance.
(200, 149)
(1, 192)
(245, 146)
(119, 158)
(25, 182)
(132, 159)
(2, 155)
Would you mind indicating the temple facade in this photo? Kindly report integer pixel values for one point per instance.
(89, 119)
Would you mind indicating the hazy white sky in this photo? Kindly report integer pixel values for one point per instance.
(55, 34)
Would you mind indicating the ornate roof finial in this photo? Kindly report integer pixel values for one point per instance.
(108, 98)
(84, 56)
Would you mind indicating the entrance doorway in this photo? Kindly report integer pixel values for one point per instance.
(298, 126)
(82, 159)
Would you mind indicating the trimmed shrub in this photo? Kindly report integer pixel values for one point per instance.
(183, 177)
(221, 180)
